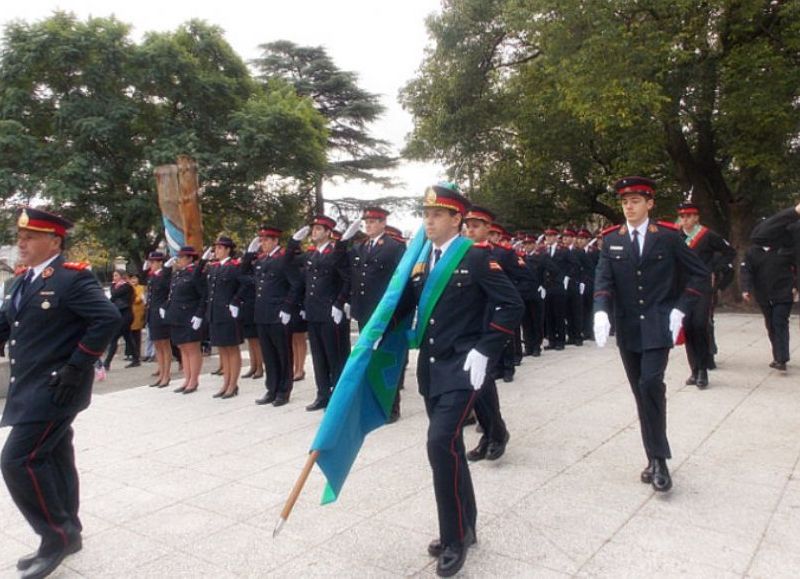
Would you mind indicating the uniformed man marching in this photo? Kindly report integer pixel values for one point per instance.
(640, 270)
(467, 309)
(717, 255)
(57, 323)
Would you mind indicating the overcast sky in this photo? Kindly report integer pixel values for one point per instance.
(382, 41)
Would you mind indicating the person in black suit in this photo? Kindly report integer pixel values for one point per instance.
(574, 273)
(122, 296)
(555, 264)
(222, 313)
(468, 325)
(326, 290)
(246, 296)
(184, 312)
(276, 277)
(768, 273)
(373, 263)
(533, 319)
(653, 279)
(158, 280)
(588, 256)
(718, 256)
(479, 223)
(57, 323)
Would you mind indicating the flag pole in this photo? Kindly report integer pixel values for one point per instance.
(293, 496)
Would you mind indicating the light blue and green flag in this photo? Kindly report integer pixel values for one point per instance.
(365, 392)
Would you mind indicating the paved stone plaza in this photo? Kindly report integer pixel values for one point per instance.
(190, 486)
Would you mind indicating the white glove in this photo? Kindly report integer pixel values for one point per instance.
(196, 323)
(171, 261)
(301, 233)
(347, 311)
(208, 253)
(476, 364)
(351, 230)
(254, 245)
(234, 310)
(602, 328)
(337, 315)
(566, 281)
(162, 313)
(285, 318)
(542, 292)
(303, 314)
(675, 322)
(581, 287)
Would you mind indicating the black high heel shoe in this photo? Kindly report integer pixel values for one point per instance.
(217, 372)
(220, 394)
(231, 394)
(257, 376)
(180, 390)
(163, 385)
(249, 374)
(190, 390)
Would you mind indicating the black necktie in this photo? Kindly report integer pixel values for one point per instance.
(23, 287)
(371, 245)
(437, 253)
(636, 248)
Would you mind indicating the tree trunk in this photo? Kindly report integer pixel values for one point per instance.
(319, 200)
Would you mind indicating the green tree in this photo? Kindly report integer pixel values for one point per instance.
(353, 153)
(86, 114)
(543, 104)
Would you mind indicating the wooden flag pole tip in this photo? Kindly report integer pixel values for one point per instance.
(295, 494)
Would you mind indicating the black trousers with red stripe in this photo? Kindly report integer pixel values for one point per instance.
(38, 464)
(452, 483)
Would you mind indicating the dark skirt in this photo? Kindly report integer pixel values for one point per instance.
(158, 330)
(225, 333)
(249, 331)
(184, 334)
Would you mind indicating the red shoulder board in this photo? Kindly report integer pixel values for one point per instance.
(483, 245)
(20, 270)
(504, 245)
(311, 248)
(76, 265)
(611, 229)
(668, 225)
(236, 261)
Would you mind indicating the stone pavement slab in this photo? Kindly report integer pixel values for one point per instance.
(190, 486)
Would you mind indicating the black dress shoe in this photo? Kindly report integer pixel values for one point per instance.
(662, 482)
(497, 449)
(780, 366)
(647, 474)
(508, 376)
(702, 379)
(318, 404)
(36, 566)
(479, 452)
(451, 560)
(435, 548)
(134, 364)
(280, 401)
(691, 380)
(266, 399)
(559, 347)
(536, 353)
(712, 365)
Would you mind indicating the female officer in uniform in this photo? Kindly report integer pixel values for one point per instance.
(184, 314)
(222, 313)
(158, 281)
